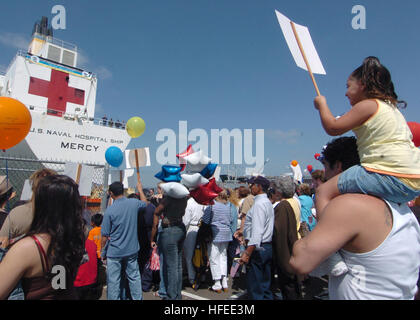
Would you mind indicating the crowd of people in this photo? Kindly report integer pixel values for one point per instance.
(117, 124)
(351, 225)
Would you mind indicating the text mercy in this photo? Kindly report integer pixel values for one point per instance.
(79, 146)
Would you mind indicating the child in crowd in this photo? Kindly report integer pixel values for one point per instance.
(390, 163)
(95, 233)
(95, 236)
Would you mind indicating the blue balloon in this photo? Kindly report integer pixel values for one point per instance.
(114, 156)
(169, 174)
(208, 171)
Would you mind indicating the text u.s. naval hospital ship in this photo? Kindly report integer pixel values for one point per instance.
(61, 99)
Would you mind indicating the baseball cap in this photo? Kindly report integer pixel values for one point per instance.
(263, 182)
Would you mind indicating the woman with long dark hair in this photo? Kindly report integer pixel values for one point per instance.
(48, 258)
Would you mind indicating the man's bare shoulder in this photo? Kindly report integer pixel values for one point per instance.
(366, 219)
(355, 211)
(356, 204)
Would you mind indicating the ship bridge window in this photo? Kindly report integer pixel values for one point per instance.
(79, 93)
(54, 53)
(68, 58)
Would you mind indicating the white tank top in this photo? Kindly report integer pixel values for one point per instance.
(388, 272)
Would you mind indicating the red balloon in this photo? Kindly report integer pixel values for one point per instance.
(204, 195)
(310, 168)
(213, 186)
(317, 156)
(415, 130)
(181, 157)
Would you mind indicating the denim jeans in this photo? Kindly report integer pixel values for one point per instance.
(358, 180)
(171, 242)
(17, 293)
(162, 285)
(258, 274)
(132, 273)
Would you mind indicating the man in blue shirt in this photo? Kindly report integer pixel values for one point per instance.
(258, 233)
(119, 226)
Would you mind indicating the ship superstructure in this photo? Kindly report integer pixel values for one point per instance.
(61, 98)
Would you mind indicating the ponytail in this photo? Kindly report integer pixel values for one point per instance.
(377, 80)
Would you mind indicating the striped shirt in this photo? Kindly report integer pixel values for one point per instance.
(220, 216)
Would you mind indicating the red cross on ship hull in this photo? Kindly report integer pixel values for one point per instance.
(57, 91)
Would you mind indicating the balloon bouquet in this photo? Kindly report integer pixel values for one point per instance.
(197, 182)
(135, 128)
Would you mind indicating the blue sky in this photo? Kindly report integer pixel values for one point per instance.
(225, 64)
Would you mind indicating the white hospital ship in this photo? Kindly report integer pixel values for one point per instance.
(61, 99)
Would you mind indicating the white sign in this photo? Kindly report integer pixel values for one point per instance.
(307, 45)
(26, 191)
(82, 173)
(126, 176)
(143, 155)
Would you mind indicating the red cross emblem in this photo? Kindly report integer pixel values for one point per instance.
(57, 91)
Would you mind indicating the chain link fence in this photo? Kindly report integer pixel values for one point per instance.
(20, 169)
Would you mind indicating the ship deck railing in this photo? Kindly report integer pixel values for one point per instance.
(62, 43)
(24, 53)
(80, 116)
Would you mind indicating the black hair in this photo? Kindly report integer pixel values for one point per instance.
(133, 196)
(97, 219)
(377, 80)
(6, 196)
(271, 190)
(344, 150)
(58, 213)
(117, 188)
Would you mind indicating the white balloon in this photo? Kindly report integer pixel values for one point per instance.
(197, 161)
(175, 190)
(297, 173)
(193, 180)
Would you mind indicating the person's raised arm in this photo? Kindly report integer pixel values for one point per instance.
(140, 190)
(355, 117)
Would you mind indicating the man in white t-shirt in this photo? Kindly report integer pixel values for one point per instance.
(379, 242)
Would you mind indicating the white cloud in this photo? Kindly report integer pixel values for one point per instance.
(103, 73)
(83, 62)
(291, 136)
(82, 59)
(14, 40)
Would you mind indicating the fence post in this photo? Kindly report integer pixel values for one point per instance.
(105, 188)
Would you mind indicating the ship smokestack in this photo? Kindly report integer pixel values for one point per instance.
(41, 28)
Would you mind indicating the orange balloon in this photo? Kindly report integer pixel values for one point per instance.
(294, 163)
(15, 122)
